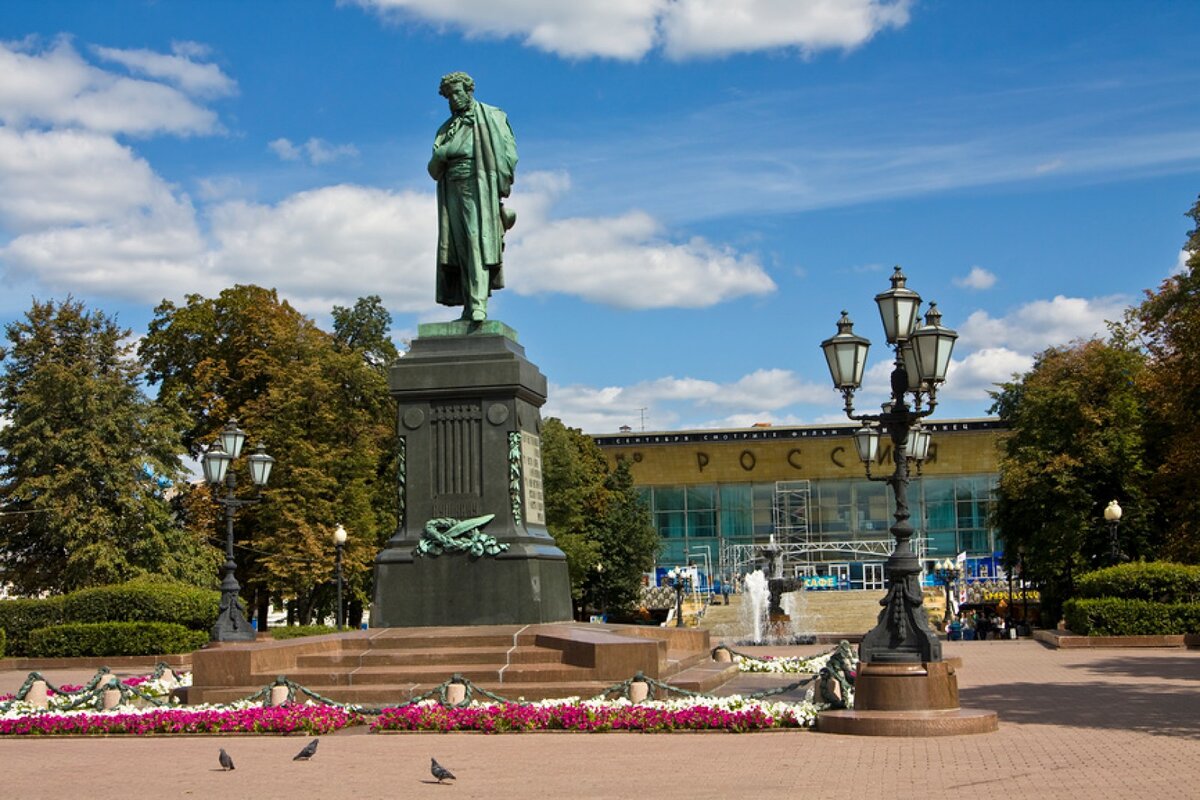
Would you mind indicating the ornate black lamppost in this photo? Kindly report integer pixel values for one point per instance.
(946, 573)
(1112, 516)
(678, 579)
(922, 356)
(231, 623)
(339, 541)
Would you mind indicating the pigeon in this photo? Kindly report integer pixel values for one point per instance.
(226, 761)
(308, 752)
(440, 772)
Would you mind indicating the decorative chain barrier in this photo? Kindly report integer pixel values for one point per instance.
(835, 682)
(90, 694)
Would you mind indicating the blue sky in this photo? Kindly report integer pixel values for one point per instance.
(703, 184)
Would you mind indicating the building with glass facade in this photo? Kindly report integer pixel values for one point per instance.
(717, 495)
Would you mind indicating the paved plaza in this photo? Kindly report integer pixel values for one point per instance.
(1076, 724)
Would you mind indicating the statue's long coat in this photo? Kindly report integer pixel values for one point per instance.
(495, 165)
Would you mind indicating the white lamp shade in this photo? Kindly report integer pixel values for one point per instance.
(898, 308)
(866, 442)
(1112, 512)
(846, 354)
(215, 462)
(917, 447)
(232, 438)
(932, 345)
(339, 535)
(260, 467)
(909, 358)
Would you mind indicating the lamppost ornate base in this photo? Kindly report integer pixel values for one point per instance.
(231, 625)
(907, 700)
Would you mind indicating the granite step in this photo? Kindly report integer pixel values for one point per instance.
(432, 656)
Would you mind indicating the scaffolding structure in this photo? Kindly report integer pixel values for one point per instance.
(801, 549)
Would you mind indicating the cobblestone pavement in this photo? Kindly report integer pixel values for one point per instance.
(1076, 724)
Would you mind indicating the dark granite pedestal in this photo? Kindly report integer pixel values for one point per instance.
(470, 430)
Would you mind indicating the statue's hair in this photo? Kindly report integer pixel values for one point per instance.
(456, 77)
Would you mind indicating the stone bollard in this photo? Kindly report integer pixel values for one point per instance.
(456, 693)
(278, 696)
(38, 695)
(111, 699)
(722, 655)
(638, 692)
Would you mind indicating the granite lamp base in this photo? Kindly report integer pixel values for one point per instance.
(919, 699)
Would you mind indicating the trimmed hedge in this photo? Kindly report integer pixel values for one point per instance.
(144, 601)
(19, 616)
(297, 631)
(135, 601)
(1, 642)
(113, 639)
(1118, 616)
(1159, 582)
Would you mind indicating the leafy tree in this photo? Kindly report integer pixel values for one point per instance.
(1076, 443)
(1168, 321)
(86, 460)
(322, 408)
(597, 518)
(364, 328)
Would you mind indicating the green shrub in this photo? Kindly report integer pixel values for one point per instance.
(1159, 582)
(144, 601)
(1, 642)
(1117, 616)
(296, 631)
(19, 616)
(113, 639)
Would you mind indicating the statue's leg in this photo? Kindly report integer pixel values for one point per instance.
(465, 230)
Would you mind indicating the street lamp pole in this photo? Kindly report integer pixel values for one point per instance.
(922, 356)
(947, 574)
(339, 541)
(1112, 515)
(231, 624)
(677, 578)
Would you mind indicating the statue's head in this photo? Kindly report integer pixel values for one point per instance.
(446, 87)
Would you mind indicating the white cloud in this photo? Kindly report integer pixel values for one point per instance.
(979, 372)
(719, 27)
(629, 29)
(56, 87)
(1181, 262)
(72, 177)
(755, 397)
(315, 151)
(978, 278)
(330, 245)
(180, 69)
(624, 261)
(1043, 323)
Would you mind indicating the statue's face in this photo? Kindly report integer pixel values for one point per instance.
(459, 97)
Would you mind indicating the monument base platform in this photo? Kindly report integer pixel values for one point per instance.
(917, 699)
(385, 666)
(519, 587)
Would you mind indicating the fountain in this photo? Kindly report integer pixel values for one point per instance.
(771, 612)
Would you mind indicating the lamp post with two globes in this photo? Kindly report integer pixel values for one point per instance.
(231, 625)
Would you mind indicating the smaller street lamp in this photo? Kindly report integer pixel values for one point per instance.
(1112, 516)
(231, 625)
(678, 579)
(339, 541)
(946, 572)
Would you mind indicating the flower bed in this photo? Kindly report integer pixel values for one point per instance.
(732, 714)
(308, 719)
